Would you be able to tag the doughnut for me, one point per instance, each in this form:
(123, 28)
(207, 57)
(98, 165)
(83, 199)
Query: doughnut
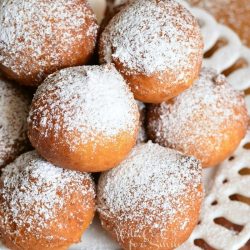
(207, 121)
(142, 136)
(14, 109)
(39, 37)
(43, 207)
(88, 117)
(235, 14)
(152, 199)
(156, 46)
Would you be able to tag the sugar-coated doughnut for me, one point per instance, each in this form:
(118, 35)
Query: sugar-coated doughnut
(207, 121)
(43, 207)
(84, 118)
(14, 108)
(235, 14)
(152, 199)
(157, 47)
(39, 37)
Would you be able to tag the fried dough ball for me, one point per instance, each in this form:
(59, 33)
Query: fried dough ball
(39, 37)
(157, 47)
(84, 118)
(152, 199)
(14, 108)
(233, 13)
(43, 207)
(207, 121)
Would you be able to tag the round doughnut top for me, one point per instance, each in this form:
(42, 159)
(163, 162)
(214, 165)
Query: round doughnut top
(147, 186)
(203, 111)
(14, 108)
(33, 192)
(43, 28)
(89, 99)
(152, 36)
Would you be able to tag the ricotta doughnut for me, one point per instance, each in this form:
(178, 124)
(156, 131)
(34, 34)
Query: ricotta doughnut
(39, 37)
(207, 121)
(157, 47)
(235, 14)
(152, 199)
(14, 109)
(84, 118)
(43, 207)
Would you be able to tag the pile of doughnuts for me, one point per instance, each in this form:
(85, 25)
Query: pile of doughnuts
(147, 115)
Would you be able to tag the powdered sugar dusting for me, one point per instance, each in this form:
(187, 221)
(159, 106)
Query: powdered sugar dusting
(146, 188)
(152, 36)
(42, 29)
(90, 99)
(198, 114)
(33, 194)
(14, 106)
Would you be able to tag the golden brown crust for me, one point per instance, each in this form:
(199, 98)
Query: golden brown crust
(95, 156)
(57, 35)
(148, 44)
(43, 206)
(92, 131)
(150, 239)
(152, 200)
(62, 239)
(158, 87)
(208, 120)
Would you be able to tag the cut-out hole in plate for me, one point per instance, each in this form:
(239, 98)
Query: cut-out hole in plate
(219, 44)
(245, 171)
(247, 246)
(203, 244)
(247, 91)
(239, 64)
(225, 181)
(227, 224)
(214, 203)
(247, 146)
(239, 197)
